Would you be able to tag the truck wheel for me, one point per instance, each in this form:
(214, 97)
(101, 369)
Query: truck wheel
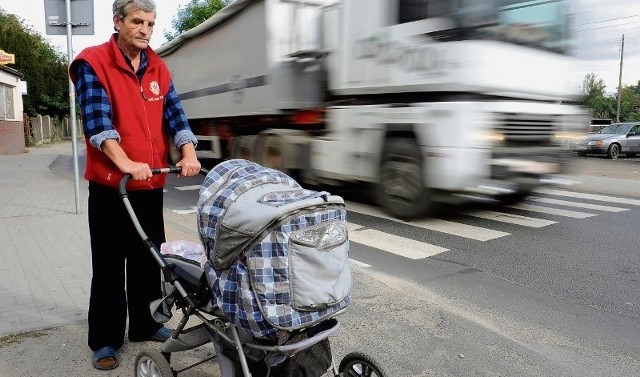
(152, 363)
(243, 147)
(272, 153)
(614, 151)
(514, 198)
(401, 190)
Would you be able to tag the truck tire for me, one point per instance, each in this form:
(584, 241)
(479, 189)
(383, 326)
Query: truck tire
(515, 197)
(272, 152)
(244, 147)
(401, 190)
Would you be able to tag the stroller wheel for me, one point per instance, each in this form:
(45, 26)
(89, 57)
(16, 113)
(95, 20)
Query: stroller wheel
(357, 364)
(152, 363)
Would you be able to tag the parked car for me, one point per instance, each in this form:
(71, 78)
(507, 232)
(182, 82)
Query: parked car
(613, 140)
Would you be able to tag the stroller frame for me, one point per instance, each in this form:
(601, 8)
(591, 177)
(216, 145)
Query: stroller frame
(214, 325)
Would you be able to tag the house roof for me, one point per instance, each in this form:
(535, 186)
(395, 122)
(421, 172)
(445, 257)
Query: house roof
(12, 71)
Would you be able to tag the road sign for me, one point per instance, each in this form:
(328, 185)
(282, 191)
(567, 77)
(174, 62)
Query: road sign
(7, 58)
(56, 17)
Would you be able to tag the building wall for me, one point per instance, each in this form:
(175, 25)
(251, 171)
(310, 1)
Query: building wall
(12, 130)
(11, 137)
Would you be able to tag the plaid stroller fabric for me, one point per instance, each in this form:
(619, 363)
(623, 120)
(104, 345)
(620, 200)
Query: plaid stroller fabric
(278, 254)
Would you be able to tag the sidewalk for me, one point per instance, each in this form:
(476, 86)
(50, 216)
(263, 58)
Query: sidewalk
(45, 267)
(46, 261)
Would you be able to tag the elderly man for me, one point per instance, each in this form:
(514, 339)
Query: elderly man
(130, 110)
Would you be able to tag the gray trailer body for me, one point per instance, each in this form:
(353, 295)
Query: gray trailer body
(276, 70)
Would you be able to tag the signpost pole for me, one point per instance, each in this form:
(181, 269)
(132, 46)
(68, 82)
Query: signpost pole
(56, 11)
(72, 106)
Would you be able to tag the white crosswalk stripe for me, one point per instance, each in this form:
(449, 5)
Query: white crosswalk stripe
(186, 211)
(405, 247)
(459, 229)
(188, 188)
(602, 198)
(511, 219)
(553, 211)
(566, 203)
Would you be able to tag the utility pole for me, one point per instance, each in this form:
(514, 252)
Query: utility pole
(620, 80)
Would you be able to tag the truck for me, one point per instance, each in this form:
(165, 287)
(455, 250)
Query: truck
(417, 102)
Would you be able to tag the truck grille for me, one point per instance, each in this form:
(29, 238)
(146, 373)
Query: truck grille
(526, 129)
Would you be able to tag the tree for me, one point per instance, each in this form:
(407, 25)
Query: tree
(636, 88)
(605, 106)
(44, 68)
(601, 105)
(193, 14)
(628, 104)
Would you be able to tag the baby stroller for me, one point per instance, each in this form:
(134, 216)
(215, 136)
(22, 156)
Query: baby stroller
(251, 285)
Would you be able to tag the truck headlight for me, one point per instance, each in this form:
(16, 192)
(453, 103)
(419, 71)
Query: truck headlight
(568, 137)
(494, 138)
(486, 137)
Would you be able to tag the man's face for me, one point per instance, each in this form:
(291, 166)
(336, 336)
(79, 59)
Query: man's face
(135, 29)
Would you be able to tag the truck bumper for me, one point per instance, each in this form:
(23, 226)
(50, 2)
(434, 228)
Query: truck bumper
(513, 172)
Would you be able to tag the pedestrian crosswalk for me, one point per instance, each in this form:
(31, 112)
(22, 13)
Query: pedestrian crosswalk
(572, 205)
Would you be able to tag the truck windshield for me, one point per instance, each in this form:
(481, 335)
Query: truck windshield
(538, 23)
(535, 23)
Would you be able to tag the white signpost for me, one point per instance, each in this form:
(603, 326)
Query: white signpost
(68, 17)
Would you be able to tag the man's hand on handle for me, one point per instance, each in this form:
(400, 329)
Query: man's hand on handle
(189, 162)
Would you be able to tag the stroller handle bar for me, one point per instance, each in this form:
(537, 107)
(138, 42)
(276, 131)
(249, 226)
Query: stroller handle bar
(122, 187)
(164, 266)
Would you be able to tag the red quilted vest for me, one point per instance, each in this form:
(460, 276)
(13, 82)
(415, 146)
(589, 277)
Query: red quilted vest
(137, 113)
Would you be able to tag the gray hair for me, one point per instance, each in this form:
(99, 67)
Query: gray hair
(122, 7)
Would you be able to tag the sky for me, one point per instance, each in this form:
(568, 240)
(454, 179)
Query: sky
(598, 25)
(32, 12)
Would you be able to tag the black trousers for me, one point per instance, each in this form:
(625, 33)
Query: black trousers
(126, 277)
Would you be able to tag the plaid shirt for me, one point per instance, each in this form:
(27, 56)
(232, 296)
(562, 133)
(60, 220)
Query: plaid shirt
(97, 113)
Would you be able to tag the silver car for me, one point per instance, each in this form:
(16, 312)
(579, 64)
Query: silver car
(613, 140)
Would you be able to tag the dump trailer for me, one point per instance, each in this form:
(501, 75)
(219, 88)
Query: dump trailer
(417, 101)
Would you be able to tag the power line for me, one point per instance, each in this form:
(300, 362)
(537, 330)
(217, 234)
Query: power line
(610, 26)
(611, 19)
(620, 31)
